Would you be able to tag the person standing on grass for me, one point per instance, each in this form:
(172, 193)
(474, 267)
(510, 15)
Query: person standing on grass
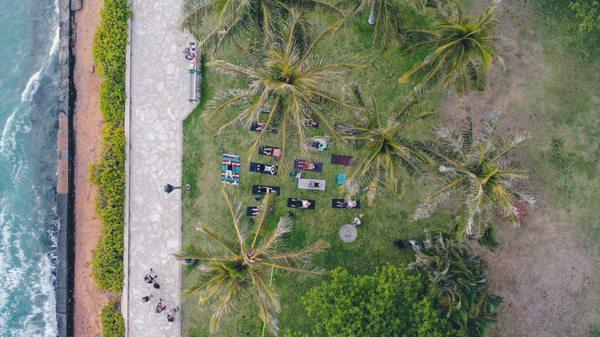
(357, 220)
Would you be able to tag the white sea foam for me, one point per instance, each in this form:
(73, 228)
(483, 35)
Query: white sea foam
(8, 136)
(33, 83)
(42, 293)
(12, 266)
(26, 274)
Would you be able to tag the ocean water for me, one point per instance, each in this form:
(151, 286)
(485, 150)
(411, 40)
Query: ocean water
(28, 127)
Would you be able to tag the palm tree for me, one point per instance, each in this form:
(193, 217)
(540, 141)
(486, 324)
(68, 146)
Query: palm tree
(288, 83)
(387, 153)
(461, 280)
(472, 167)
(231, 18)
(233, 266)
(462, 51)
(384, 18)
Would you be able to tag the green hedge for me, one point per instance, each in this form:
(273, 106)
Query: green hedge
(113, 324)
(108, 173)
(110, 45)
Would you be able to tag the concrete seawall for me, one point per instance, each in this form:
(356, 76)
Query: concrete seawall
(64, 188)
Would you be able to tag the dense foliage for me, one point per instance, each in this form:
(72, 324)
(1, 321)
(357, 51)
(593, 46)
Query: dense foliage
(460, 277)
(113, 324)
(588, 12)
(391, 302)
(109, 172)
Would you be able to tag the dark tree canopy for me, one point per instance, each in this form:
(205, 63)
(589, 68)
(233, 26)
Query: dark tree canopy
(391, 302)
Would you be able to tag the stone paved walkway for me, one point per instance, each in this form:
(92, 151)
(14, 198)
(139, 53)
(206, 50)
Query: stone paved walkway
(157, 86)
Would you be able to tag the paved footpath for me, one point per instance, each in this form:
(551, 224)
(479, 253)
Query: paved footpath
(157, 87)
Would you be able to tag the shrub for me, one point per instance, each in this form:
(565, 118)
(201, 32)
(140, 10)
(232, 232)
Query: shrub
(108, 173)
(113, 324)
(110, 44)
(588, 13)
(392, 302)
(460, 279)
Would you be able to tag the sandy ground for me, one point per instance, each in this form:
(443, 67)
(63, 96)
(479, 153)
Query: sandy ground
(548, 281)
(89, 300)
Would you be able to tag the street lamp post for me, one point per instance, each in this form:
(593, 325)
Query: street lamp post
(170, 188)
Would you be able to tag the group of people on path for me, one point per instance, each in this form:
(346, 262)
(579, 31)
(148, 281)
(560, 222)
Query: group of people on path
(150, 278)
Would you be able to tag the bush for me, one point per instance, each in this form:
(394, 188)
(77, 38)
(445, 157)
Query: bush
(113, 324)
(392, 302)
(108, 173)
(110, 44)
(588, 13)
(460, 279)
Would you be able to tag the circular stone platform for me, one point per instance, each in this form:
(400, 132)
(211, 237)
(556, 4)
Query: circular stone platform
(348, 233)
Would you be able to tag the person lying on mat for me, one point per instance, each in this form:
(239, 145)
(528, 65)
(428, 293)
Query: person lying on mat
(346, 203)
(310, 122)
(304, 165)
(271, 169)
(319, 144)
(265, 190)
(229, 169)
(260, 126)
(267, 151)
(315, 184)
(300, 203)
(255, 211)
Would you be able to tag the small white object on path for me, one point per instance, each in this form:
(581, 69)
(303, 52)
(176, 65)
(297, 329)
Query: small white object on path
(157, 88)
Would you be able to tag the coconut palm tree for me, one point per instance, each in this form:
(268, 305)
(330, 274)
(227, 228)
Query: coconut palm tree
(231, 18)
(473, 168)
(461, 52)
(288, 84)
(383, 17)
(231, 267)
(461, 281)
(386, 152)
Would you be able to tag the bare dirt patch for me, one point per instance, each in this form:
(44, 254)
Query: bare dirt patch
(545, 278)
(89, 300)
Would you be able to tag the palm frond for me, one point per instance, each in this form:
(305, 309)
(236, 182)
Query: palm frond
(284, 226)
(265, 210)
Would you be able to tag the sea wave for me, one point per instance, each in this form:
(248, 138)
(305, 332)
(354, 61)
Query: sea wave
(33, 83)
(26, 273)
(8, 139)
(12, 125)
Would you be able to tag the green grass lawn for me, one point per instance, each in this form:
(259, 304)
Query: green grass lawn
(562, 158)
(385, 222)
